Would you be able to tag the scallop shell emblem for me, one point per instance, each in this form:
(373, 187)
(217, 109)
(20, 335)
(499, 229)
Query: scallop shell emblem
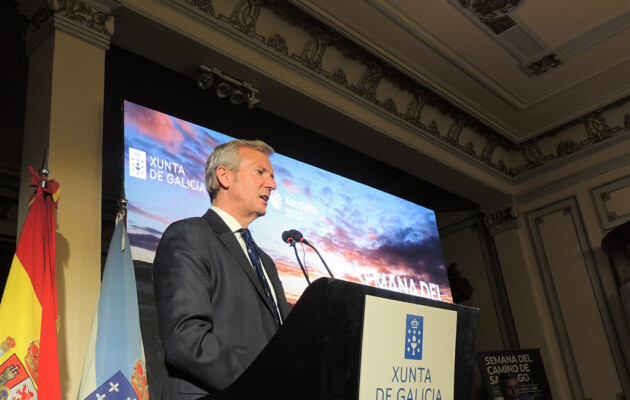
(275, 200)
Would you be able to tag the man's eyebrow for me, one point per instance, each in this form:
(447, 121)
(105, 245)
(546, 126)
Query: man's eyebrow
(263, 167)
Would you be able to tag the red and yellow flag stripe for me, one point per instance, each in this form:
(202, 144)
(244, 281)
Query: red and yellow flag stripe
(28, 310)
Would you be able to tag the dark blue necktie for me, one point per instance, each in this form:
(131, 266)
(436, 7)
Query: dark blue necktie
(256, 263)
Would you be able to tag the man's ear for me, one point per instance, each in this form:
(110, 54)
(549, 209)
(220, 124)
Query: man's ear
(224, 176)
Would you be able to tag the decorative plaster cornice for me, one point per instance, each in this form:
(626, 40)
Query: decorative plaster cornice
(494, 14)
(80, 19)
(204, 5)
(506, 216)
(543, 65)
(333, 57)
(501, 215)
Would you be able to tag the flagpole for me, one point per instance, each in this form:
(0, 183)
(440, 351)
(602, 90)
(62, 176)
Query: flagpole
(44, 172)
(115, 353)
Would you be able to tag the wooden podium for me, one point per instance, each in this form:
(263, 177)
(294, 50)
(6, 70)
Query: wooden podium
(316, 354)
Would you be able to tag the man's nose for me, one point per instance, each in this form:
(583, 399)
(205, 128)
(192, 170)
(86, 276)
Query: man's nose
(271, 183)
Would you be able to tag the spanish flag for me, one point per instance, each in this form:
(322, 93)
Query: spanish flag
(29, 363)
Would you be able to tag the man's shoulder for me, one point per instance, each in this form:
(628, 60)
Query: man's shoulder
(190, 221)
(187, 224)
(193, 232)
(209, 220)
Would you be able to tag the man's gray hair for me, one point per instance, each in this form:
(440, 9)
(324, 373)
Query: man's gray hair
(227, 155)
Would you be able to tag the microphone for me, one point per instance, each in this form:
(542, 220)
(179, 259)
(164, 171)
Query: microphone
(291, 237)
(298, 237)
(288, 238)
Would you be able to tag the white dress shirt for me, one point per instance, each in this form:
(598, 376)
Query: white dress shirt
(235, 227)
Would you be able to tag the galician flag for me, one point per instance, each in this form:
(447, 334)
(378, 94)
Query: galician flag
(114, 366)
(29, 363)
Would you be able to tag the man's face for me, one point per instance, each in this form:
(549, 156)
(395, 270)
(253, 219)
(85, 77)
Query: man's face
(509, 389)
(251, 186)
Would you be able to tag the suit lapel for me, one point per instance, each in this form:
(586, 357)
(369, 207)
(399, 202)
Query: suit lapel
(233, 246)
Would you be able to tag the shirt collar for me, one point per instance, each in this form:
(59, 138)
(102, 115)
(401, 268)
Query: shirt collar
(229, 220)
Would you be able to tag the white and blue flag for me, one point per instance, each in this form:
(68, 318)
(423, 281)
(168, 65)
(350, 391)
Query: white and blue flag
(115, 388)
(414, 337)
(115, 343)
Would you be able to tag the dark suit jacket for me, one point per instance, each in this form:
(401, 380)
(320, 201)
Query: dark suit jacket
(212, 314)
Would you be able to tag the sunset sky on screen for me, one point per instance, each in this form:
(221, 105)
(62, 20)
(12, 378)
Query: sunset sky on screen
(363, 234)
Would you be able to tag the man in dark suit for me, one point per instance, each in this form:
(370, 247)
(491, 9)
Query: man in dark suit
(509, 387)
(218, 296)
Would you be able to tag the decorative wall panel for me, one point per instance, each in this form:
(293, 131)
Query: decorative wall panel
(612, 202)
(575, 296)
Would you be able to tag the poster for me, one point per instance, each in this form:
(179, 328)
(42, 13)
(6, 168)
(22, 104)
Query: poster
(525, 365)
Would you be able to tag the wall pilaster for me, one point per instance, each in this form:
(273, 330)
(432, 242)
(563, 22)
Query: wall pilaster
(524, 292)
(66, 42)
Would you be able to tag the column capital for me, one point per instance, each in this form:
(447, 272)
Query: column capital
(87, 20)
(501, 216)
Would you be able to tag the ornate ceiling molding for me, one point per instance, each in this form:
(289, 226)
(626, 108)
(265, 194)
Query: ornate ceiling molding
(85, 20)
(330, 56)
(501, 216)
(543, 65)
(493, 13)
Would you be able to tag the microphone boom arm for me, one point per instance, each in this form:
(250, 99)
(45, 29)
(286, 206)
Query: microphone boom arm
(300, 262)
(306, 242)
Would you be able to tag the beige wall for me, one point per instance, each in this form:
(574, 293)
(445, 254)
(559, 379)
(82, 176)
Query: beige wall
(565, 233)
(462, 244)
(64, 114)
(559, 283)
